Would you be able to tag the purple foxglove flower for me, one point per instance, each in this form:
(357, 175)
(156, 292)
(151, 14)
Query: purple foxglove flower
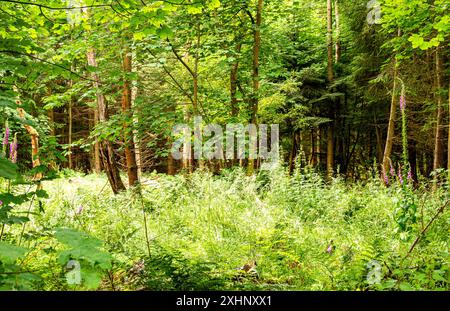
(410, 177)
(14, 153)
(402, 102)
(392, 171)
(386, 179)
(1, 202)
(6, 137)
(330, 249)
(400, 177)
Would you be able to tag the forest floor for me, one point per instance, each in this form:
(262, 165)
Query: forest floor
(193, 233)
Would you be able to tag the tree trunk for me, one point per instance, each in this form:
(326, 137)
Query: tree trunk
(255, 74)
(391, 126)
(330, 151)
(448, 144)
(293, 153)
(233, 83)
(137, 142)
(69, 136)
(105, 147)
(437, 162)
(329, 41)
(97, 160)
(34, 135)
(338, 31)
(317, 150)
(130, 154)
(330, 132)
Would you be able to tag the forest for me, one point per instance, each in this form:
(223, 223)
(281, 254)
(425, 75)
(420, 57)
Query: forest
(117, 172)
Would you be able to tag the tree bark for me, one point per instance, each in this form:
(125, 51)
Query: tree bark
(330, 151)
(34, 135)
(448, 144)
(69, 136)
(338, 31)
(97, 160)
(330, 132)
(130, 153)
(391, 126)
(438, 154)
(105, 147)
(255, 74)
(233, 83)
(329, 41)
(137, 142)
(293, 153)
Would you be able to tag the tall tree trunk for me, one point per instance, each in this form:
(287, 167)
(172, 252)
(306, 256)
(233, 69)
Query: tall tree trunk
(338, 31)
(293, 153)
(329, 41)
(34, 135)
(137, 142)
(97, 160)
(255, 68)
(448, 143)
(437, 162)
(391, 126)
(130, 154)
(105, 147)
(330, 151)
(379, 142)
(330, 132)
(233, 82)
(317, 145)
(69, 136)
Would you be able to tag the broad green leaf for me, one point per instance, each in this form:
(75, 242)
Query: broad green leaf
(8, 169)
(10, 253)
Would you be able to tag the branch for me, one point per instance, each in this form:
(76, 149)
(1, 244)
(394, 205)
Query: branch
(57, 8)
(422, 233)
(173, 78)
(181, 59)
(46, 61)
(250, 15)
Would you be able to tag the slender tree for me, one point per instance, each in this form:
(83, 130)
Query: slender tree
(330, 128)
(130, 154)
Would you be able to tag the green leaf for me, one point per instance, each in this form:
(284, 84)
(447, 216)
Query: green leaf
(406, 287)
(8, 169)
(138, 36)
(214, 4)
(10, 253)
(76, 239)
(165, 32)
(91, 278)
(437, 276)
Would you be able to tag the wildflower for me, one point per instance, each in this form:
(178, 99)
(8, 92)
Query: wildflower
(1, 202)
(402, 102)
(13, 150)
(385, 178)
(410, 175)
(400, 177)
(392, 171)
(79, 210)
(330, 247)
(6, 137)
